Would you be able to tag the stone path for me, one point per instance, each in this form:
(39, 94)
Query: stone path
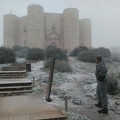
(28, 108)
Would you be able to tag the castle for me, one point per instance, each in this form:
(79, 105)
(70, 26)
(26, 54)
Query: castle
(40, 29)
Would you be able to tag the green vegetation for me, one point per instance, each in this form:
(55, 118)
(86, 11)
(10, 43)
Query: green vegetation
(112, 83)
(89, 55)
(104, 52)
(77, 51)
(115, 54)
(20, 52)
(35, 54)
(52, 51)
(7, 55)
(61, 64)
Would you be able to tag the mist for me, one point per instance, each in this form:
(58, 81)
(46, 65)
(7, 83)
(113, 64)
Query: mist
(104, 14)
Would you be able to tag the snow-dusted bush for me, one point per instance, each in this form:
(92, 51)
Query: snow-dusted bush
(104, 52)
(112, 83)
(78, 50)
(52, 51)
(116, 57)
(87, 56)
(7, 55)
(20, 52)
(35, 54)
(115, 54)
(60, 65)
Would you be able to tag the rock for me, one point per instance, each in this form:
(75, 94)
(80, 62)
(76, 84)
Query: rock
(77, 101)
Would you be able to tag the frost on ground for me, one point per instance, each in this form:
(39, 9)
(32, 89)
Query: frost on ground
(79, 86)
(90, 90)
(75, 116)
(4, 65)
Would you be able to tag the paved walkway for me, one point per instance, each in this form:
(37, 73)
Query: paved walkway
(27, 108)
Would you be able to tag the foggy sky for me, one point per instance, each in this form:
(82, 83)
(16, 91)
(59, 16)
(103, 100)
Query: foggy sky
(104, 14)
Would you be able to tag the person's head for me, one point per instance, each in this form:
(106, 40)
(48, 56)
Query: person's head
(98, 59)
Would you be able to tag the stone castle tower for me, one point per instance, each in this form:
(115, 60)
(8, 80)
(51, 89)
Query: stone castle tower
(41, 29)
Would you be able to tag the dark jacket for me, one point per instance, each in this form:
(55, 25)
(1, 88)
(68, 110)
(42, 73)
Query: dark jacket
(101, 71)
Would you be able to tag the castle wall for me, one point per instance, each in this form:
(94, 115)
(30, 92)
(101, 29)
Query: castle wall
(53, 19)
(10, 30)
(53, 29)
(35, 26)
(71, 28)
(23, 33)
(39, 29)
(85, 33)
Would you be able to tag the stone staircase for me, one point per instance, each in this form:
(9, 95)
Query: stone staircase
(14, 82)
(12, 74)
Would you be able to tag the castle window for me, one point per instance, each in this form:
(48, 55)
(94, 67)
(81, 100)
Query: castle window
(25, 42)
(24, 30)
(53, 28)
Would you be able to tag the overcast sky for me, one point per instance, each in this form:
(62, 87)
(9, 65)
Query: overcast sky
(104, 14)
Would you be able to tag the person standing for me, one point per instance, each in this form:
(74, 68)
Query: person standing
(100, 73)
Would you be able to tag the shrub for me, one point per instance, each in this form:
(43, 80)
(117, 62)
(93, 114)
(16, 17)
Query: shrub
(47, 63)
(52, 51)
(60, 66)
(104, 52)
(116, 57)
(20, 52)
(7, 55)
(35, 54)
(112, 84)
(87, 56)
(77, 51)
(115, 52)
(17, 48)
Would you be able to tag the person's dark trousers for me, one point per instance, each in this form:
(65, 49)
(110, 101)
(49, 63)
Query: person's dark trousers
(102, 95)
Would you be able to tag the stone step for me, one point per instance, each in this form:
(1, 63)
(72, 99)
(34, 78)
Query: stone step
(19, 80)
(13, 88)
(12, 74)
(5, 72)
(17, 91)
(13, 68)
(15, 85)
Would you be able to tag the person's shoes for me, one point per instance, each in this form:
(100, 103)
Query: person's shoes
(99, 105)
(104, 111)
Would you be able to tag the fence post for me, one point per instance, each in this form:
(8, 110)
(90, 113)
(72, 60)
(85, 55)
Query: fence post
(48, 99)
(66, 103)
(33, 81)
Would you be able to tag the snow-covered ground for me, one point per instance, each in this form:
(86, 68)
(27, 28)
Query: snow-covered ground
(80, 88)
(78, 85)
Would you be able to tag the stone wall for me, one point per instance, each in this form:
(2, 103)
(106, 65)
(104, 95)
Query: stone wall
(40, 29)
